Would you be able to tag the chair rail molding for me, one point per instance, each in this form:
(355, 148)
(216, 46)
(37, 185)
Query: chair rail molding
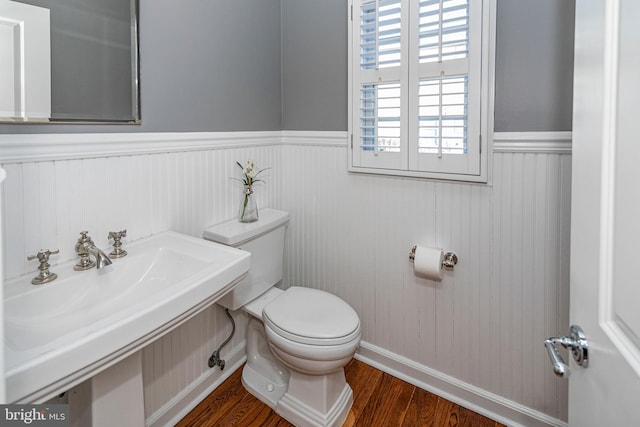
(532, 142)
(46, 147)
(315, 138)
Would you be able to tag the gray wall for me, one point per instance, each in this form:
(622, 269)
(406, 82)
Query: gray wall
(221, 65)
(314, 65)
(209, 65)
(534, 65)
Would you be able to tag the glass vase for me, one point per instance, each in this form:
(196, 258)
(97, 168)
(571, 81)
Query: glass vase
(248, 207)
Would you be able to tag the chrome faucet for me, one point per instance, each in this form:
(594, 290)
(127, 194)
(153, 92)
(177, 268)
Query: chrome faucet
(84, 248)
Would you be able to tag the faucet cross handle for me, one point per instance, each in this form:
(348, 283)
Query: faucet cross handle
(42, 255)
(117, 235)
(84, 237)
(117, 252)
(45, 275)
(84, 242)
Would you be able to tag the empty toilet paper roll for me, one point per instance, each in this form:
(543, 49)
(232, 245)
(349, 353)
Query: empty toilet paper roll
(427, 263)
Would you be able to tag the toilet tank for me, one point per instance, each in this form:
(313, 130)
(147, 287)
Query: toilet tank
(264, 238)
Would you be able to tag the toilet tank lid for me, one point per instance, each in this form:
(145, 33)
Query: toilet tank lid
(234, 232)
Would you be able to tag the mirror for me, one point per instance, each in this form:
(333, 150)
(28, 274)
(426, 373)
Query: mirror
(91, 75)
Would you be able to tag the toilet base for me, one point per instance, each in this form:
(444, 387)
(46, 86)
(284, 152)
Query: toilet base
(303, 399)
(327, 400)
(267, 391)
(263, 375)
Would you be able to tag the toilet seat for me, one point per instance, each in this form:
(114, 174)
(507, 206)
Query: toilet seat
(312, 317)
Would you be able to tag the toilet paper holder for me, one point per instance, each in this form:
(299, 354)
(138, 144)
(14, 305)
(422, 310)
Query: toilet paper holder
(449, 261)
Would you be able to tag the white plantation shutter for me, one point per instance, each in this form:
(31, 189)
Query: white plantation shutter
(382, 44)
(416, 70)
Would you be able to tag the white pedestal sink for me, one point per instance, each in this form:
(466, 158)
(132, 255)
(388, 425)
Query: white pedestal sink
(62, 333)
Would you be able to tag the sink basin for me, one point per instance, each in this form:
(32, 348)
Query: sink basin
(63, 332)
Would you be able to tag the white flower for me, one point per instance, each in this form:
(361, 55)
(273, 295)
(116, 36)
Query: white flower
(250, 172)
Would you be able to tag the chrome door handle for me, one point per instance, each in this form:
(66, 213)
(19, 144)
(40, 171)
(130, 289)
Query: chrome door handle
(576, 342)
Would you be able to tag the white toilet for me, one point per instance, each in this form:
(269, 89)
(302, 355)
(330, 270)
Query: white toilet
(298, 340)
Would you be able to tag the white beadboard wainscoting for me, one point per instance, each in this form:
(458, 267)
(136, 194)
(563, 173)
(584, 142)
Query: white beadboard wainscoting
(485, 323)
(476, 337)
(58, 185)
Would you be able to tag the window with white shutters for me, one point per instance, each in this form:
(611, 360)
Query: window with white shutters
(418, 87)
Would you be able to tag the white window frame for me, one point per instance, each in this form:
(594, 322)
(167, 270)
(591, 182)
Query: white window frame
(480, 122)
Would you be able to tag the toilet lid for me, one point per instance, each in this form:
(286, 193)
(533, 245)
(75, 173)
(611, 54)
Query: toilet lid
(312, 316)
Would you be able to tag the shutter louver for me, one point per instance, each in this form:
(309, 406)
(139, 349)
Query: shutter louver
(443, 30)
(443, 105)
(380, 34)
(380, 117)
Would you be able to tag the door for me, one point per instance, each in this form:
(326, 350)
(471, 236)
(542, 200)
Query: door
(25, 69)
(3, 174)
(605, 235)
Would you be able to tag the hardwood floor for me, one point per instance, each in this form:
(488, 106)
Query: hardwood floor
(380, 400)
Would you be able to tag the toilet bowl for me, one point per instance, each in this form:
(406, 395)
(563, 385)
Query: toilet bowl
(311, 331)
(299, 339)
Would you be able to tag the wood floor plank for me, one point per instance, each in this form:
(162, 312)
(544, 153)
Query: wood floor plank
(380, 400)
(447, 414)
(256, 416)
(217, 404)
(472, 419)
(363, 380)
(382, 408)
(421, 410)
(249, 412)
(399, 409)
(276, 420)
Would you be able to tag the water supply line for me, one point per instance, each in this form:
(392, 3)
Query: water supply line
(214, 359)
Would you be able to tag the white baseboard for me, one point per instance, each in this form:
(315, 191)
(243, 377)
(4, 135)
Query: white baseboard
(471, 397)
(178, 407)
